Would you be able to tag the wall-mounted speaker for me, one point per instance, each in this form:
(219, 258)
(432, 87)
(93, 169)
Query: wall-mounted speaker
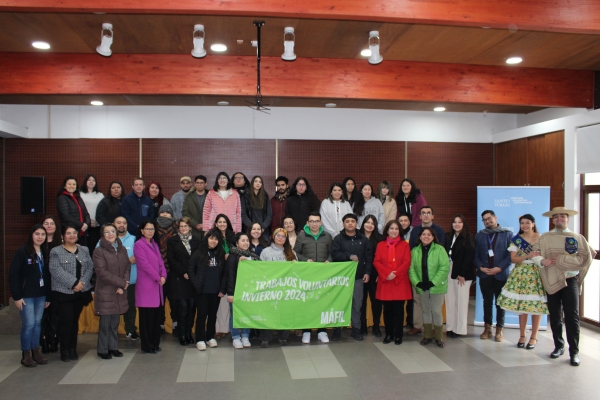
(33, 195)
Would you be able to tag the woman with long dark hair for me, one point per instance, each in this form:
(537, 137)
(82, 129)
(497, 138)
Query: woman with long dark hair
(460, 247)
(222, 199)
(112, 267)
(524, 291)
(333, 208)
(350, 190)
(409, 201)
(151, 276)
(301, 202)
(429, 267)
(385, 194)
(257, 241)
(155, 192)
(290, 227)
(49, 334)
(392, 261)
(72, 210)
(91, 196)
(224, 228)
(109, 207)
(367, 204)
(71, 268)
(180, 248)
(256, 206)
(240, 252)
(207, 273)
(29, 281)
(369, 229)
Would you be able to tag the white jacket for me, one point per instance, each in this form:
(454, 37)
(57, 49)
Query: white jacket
(332, 218)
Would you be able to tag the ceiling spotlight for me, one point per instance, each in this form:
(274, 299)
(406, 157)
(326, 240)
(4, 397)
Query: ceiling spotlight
(439, 109)
(375, 57)
(330, 105)
(288, 44)
(41, 45)
(97, 103)
(366, 53)
(218, 47)
(223, 103)
(514, 60)
(199, 50)
(107, 39)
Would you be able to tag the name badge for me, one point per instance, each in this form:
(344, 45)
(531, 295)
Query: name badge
(490, 253)
(571, 246)
(41, 282)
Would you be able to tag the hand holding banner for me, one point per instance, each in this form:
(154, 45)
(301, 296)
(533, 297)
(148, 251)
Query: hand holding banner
(293, 295)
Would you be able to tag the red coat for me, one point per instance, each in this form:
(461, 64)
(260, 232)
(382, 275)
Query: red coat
(398, 288)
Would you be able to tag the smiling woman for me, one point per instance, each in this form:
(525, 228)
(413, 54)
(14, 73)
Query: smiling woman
(72, 210)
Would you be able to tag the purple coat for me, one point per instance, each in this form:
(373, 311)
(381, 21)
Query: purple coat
(150, 268)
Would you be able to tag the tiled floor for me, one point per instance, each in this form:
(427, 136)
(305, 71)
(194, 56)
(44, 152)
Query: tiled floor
(467, 368)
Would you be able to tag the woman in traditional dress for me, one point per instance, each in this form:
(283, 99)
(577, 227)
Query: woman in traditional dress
(524, 292)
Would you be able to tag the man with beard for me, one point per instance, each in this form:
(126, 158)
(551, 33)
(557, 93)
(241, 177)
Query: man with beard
(278, 202)
(193, 205)
(185, 183)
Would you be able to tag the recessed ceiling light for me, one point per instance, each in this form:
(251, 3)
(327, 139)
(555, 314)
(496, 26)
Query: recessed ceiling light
(439, 109)
(330, 105)
(514, 60)
(41, 45)
(223, 103)
(366, 53)
(486, 27)
(97, 103)
(218, 47)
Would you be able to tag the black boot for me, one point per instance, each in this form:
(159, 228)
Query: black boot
(64, 355)
(54, 342)
(183, 340)
(376, 331)
(73, 354)
(388, 339)
(364, 330)
(44, 342)
(356, 334)
(337, 334)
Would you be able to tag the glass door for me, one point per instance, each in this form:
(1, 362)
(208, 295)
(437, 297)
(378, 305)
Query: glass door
(590, 221)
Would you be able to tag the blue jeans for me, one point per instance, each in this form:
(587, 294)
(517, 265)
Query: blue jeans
(31, 314)
(235, 334)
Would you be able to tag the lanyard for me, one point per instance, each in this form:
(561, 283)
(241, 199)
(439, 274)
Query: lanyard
(40, 263)
(491, 240)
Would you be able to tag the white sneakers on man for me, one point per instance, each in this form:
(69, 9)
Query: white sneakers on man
(306, 338)
(323, 337)
(237, 344)
(212, 343)
(201, 346)
(246, 342)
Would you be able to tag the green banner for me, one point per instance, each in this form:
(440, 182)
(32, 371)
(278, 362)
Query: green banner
(293, 295)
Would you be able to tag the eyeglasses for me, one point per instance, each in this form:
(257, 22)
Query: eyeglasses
(427, 213)
(488, 219)
(110, 232)
(280, 236)
(222, 178)
(301, 184)
(149, 229)
(314, 221)
(238, 178)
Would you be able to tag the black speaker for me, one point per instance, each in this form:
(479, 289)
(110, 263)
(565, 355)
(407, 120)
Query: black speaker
(33, 195)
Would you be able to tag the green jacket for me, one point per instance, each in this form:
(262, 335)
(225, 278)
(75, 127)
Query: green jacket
(193, 211)
(438, 266)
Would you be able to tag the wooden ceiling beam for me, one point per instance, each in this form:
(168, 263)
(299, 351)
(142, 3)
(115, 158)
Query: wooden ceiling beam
(173, 74)
(581, 16)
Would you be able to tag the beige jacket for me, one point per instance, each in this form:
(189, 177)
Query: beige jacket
(554, 244)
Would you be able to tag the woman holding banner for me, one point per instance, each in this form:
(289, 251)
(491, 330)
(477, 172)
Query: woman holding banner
(392, 261)
(240, 252)
(280, 250)
(524, 292)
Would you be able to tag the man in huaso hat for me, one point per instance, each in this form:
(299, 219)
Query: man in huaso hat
(564, 261)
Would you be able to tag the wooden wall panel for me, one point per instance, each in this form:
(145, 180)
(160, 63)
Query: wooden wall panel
(509, 172)
(168, 160)
(326, 161)
(448, 175)
(55, 159)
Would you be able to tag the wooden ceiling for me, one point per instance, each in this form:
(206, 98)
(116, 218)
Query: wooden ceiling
(455, 38)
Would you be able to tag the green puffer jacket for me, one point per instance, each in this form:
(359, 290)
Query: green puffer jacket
(438, 267)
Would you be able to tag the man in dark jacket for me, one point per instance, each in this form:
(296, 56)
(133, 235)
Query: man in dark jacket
(278, 202)
(313, 244)
(136, 206)
(351, 245)
(301, 202)
(193, 205)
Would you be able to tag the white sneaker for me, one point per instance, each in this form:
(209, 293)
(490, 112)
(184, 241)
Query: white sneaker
(323, 337)
(237, 344)
(212, 343)
(246, 342)
(306, 338)
(201, 346)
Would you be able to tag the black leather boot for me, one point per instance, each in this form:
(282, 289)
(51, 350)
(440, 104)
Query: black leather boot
(376, 331)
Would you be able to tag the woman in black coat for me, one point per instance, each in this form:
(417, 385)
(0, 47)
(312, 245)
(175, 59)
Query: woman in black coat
(109, 207)
(72, 210)
(180, 247)
(460, 247)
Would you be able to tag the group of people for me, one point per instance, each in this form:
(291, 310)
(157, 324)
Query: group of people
(139, 249)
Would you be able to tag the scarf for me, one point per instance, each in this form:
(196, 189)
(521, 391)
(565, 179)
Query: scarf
(164, 222)
(244, 253)
(74, 198)
(185, 239)
(392, 243)
(499, 229)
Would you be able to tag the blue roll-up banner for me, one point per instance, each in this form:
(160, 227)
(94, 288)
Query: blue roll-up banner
(509, 203)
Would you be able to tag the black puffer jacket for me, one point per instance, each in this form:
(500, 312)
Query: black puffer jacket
(300, 206)
(69, 213)
(343, 246)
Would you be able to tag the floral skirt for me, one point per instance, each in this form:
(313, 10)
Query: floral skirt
(524, 291)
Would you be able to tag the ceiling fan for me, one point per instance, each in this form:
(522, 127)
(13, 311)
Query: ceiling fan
(258, 97)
